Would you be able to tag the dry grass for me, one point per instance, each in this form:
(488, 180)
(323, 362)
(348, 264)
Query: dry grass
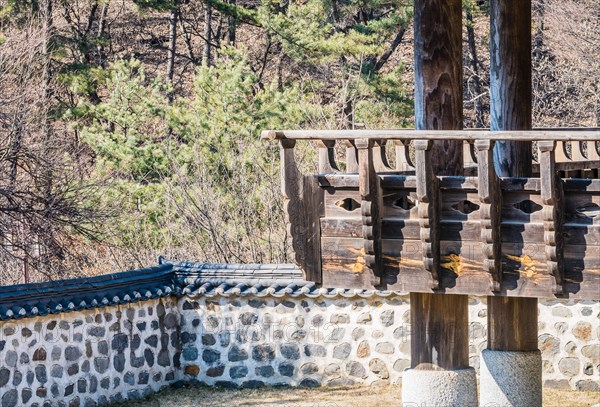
(373, 396)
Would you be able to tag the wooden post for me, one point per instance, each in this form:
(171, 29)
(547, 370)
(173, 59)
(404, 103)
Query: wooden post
(510, 83)
(428, 209)
(370, 206)
(440, 373)
(303, 205)
(490, 197)
(510, 89)
(512, 322)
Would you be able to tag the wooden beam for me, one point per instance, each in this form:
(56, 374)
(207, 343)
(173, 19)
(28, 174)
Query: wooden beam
(556, 134)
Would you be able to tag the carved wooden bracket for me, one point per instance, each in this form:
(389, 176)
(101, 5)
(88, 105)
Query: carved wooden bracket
(552, 212)
(490, 197)
(371, 206)
(428, 209)
(327, 163)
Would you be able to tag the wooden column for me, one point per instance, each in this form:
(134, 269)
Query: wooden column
(438, 78)
(512, 322)
(439, 322)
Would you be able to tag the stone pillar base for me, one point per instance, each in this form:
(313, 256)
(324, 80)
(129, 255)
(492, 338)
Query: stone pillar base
(511, 379)
(437, 388)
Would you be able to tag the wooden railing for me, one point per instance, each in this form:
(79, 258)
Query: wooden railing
(406, 228)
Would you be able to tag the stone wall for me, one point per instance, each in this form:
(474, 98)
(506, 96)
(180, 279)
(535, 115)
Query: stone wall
(116, 352)
(254, 341)
(91, 357)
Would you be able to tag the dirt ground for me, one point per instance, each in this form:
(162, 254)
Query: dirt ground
(374, 396)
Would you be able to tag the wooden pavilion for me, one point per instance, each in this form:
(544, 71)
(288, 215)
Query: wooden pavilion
(511, 213)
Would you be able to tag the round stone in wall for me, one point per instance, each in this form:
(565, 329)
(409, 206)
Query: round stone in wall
(364, 318)
(309, 368)
(290, 351)
(561, 327)
(358, 333)
(592, 352)
(401, 364)
(356, 369)
(582, 330)
(332, 369)
(569, 366)
(342, 351)
(210, 355)
(10, 398)
(548, 345)
(561, 312)
(315, 350)
(387, 318)
(237, 372)
(364, 349)
(386, 348)
(570, 347)
(378, 367)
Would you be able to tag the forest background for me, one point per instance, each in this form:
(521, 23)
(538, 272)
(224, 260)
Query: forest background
(131, 128)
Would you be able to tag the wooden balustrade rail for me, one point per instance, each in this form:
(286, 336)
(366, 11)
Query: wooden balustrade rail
(405, 228)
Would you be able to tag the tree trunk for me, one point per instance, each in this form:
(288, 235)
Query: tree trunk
(101, 32)
(474, 62)
(207, 55)
(231, 26)
(171, 51)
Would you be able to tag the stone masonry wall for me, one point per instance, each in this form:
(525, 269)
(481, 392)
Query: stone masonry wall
(99, 356)
(89, 357)
(252, 342)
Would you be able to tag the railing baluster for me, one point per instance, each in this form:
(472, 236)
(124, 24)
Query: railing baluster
(351, 157)
(490, 197)
(428, 209)
(327, 163)
(469, 153)
(403, 161)
(552, 198)
(380, 160)
(371, 205)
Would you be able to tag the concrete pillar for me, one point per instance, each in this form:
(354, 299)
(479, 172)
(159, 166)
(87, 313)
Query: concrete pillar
(433, 388)
(511, 379)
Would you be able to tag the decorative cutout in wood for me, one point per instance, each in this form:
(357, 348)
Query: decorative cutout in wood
(348, 204)
(528, 206)
(404, 202)
(465, 207)
(589, 210)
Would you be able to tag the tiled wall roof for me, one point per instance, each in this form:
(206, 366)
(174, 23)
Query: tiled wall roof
(169, 277)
